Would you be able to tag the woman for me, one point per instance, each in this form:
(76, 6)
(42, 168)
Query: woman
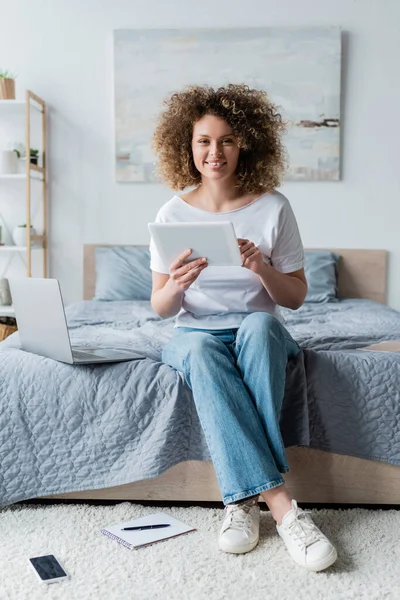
(229, 338)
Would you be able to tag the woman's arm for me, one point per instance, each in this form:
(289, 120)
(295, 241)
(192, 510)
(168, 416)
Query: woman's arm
(169, 289)
(166, 302)
(286, 289)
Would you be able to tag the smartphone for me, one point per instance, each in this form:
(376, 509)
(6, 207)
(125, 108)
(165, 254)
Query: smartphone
(48, 569)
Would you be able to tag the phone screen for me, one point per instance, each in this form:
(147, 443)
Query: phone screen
(48, 567)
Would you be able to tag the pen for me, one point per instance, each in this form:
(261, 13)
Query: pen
(145, 527)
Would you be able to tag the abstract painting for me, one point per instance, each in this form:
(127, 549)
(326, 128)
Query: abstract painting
(299, 67)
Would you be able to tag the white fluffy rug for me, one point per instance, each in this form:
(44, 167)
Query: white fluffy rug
(191, 567)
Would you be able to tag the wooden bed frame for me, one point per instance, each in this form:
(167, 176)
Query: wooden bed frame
(315, 476)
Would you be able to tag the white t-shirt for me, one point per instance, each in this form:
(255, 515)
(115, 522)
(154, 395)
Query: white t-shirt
(221, 297)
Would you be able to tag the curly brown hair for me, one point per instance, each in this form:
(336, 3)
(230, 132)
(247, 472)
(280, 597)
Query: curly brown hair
(254, 119)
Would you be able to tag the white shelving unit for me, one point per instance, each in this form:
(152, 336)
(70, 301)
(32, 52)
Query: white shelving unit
(22, 176)
(32, 173)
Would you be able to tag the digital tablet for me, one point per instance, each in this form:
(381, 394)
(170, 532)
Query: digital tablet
(216, 241)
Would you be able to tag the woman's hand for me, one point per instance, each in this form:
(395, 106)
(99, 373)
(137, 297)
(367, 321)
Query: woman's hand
(182, 275)
(251, 256)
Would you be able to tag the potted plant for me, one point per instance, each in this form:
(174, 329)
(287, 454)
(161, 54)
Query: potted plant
(9, 162)
(34, 155)
(7, 85)
(19, 234)
(9, 158)
(18, 148)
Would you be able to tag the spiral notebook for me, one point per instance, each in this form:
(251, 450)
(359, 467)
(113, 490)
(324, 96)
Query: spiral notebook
(134, 540)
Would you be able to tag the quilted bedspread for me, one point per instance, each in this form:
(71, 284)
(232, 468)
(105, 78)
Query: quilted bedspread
(66, 428)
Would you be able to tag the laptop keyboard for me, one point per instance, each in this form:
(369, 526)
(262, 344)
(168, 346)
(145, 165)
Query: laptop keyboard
(93, 353)
(105, 353)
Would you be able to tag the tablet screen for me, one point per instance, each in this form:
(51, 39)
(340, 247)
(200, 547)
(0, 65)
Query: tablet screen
(217, 242)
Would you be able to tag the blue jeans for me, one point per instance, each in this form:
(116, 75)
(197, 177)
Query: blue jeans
(237, 377)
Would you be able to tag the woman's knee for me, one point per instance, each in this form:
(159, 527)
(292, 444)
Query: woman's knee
(197, 343)
(193, 344)
(261, 324)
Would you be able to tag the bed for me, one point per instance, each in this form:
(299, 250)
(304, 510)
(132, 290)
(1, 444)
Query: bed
(130, 431)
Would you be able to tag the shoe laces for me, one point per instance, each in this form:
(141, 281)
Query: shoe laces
(238, 517)
(303, 530)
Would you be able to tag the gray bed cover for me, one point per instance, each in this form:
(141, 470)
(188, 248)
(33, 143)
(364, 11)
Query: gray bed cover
(66, 428)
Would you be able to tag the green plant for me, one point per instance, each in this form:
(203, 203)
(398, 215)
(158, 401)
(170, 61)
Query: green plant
(17, 147)
(20, 151)
(4, 74)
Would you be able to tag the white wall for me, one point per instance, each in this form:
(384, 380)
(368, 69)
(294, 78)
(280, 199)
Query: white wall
(64, 53)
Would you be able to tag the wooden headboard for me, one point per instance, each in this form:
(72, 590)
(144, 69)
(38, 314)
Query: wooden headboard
(362, 273)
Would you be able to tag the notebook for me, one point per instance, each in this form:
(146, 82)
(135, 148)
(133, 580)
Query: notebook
(140, 539)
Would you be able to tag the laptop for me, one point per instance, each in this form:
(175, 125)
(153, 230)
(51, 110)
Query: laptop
(42, 325)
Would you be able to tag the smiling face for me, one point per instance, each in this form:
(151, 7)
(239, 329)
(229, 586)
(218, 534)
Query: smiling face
(215, 148)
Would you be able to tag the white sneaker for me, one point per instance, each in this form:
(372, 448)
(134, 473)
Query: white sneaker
(307, 545)
(241, 526)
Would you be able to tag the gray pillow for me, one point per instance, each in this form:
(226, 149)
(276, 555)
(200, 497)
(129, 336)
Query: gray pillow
(123, 273)
(321, 273)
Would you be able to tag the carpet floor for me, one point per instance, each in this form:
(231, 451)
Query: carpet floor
(191, 567)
